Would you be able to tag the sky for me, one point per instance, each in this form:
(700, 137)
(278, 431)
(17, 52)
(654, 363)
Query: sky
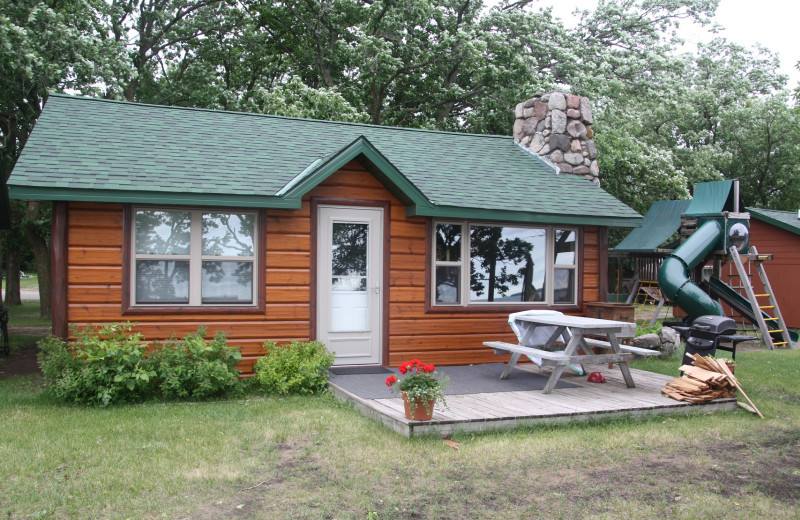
(772, 23)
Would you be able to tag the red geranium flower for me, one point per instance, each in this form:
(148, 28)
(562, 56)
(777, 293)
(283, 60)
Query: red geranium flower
(392, 379)
(402, 368)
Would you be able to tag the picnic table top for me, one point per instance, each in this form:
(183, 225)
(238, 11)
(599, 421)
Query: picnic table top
(581, 323)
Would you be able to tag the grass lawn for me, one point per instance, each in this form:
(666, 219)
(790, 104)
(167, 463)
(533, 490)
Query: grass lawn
(30, 282)
(313, 458)
(26, 315)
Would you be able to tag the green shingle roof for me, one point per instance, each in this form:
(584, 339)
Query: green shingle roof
(786, 220)
(100, 150)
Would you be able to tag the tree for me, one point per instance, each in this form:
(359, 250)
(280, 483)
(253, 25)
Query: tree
(46, 45)
(763, 137)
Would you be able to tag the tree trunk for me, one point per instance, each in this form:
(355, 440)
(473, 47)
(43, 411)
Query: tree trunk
(12, 278)
(41, 254)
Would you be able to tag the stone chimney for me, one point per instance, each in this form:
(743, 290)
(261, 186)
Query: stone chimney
(558, 127)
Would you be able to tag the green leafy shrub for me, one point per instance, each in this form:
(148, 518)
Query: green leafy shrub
(102, 365)
(111, 363)
(190, 367)
(296, 368)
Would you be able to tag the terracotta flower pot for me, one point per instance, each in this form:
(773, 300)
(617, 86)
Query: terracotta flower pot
(421, 413)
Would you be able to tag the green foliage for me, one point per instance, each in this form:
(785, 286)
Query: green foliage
(648, 329)
(193, 368)
(101, 366)
(296, 368)
(112, 364)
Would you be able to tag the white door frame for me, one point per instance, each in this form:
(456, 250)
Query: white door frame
(349, 322)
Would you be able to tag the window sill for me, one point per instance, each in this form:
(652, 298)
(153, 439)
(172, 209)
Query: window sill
(502, 308)
(139, 310)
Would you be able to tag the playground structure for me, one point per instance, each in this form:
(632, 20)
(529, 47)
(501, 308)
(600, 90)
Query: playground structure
(704, 234)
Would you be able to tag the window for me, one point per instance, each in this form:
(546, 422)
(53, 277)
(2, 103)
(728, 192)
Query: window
(489, 264)
(193, 257)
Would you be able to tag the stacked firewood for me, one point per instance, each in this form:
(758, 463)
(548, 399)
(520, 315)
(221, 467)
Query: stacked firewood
(707, 379)
(703, 380)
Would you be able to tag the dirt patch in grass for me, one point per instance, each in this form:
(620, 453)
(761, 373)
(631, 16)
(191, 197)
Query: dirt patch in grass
(22, 361)
(651, 482)
(730, 470)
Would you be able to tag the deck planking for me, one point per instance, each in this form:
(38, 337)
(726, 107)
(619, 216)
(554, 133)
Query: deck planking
(507, 410)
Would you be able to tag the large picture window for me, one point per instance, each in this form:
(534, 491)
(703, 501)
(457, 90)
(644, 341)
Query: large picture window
(490, 264)
(193, 257)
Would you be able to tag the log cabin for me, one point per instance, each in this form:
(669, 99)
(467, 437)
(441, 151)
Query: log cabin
(384, 243)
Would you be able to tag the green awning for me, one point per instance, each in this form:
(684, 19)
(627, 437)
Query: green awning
(662, 220)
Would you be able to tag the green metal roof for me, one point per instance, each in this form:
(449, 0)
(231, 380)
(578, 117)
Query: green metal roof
(786, 220)
(98, 150)
(662, 220)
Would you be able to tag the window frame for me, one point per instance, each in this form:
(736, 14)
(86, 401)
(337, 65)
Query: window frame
(465, 263)
(129, 257)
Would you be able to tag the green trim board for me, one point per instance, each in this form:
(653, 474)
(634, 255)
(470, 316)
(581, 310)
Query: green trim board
(786, 220)
(149, 197)
(100, 150)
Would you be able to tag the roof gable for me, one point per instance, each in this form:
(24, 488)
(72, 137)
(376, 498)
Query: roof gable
(362, 150)
(100, 150)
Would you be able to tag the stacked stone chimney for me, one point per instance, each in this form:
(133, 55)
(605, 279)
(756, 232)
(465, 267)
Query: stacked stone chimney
(558, 127)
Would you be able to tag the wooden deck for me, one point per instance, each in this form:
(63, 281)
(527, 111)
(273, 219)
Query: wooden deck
(506, 410)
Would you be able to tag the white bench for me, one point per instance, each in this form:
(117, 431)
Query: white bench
(500, 347)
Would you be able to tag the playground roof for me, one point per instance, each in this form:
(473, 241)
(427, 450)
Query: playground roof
(662, 220)
(712, 198)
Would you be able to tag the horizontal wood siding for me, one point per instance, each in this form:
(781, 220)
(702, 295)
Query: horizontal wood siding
(781, 270)
(94, 291)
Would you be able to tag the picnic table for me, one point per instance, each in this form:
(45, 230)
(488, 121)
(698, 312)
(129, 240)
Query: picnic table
(540, 333)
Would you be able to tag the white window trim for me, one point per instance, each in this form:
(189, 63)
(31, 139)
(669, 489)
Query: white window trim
(550, 268)
(195, 258)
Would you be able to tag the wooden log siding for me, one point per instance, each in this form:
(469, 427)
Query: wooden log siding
(94, 288)
(781, 270)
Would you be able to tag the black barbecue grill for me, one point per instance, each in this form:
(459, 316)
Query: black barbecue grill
(709, 333)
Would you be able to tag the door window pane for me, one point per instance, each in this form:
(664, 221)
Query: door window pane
(448, 243)
(227, 234)
(349, 249)
(349, 304)
(227, 282)
(507, 264)
(564, 247)
(448, 284)
(163, 232)
(162, 281)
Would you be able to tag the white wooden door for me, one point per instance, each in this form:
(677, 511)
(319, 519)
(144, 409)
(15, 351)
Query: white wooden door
(349, 279)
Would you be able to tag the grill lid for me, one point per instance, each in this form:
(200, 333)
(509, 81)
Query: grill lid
(706, 326)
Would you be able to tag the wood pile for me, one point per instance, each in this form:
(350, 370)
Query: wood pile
(707, 379)
(703, 380)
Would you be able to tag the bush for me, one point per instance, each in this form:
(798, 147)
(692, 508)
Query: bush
(193, 368)
(113, 364)
(100, 366)
(296, 368)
